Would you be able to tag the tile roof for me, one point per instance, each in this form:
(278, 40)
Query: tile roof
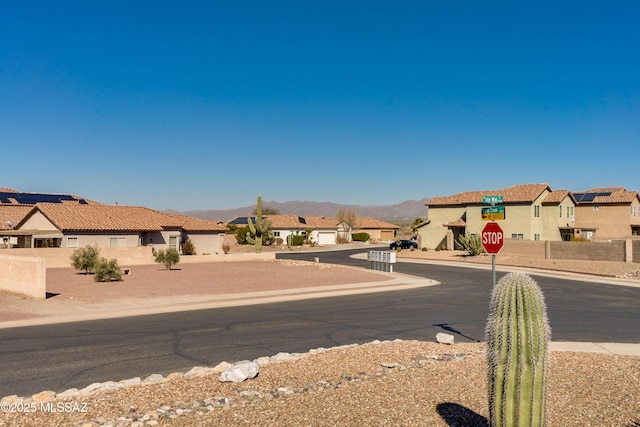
(457, 223)
(522, 193)
(190, 223)
(75, 217)
(556, 197)
(13, 214)
(367, 222)
(606, 195)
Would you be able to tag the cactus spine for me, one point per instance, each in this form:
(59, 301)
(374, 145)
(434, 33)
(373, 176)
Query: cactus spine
(518, 335)
(259, 229)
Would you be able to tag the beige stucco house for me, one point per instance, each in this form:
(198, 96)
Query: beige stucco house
(72, 225)
(323, 230)
(380, 231)
(607, 213)
(531, 212)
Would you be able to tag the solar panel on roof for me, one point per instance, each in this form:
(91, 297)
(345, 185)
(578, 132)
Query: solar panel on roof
(33, 198)
(301, 220)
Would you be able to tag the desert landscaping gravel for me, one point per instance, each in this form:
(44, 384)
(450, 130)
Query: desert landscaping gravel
(398, 383)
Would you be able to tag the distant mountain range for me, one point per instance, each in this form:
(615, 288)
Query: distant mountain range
(408, 209)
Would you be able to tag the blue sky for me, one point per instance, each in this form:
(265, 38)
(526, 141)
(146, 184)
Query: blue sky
(206, 104)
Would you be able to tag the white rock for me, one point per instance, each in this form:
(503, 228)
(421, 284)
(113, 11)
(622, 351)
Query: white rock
(72, 392)
(240, 372)
(443, 338)
(154, 378)
(131, 381)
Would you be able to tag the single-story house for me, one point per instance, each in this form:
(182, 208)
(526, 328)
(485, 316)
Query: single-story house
(323, 230)
(74, 225)
(380, 231)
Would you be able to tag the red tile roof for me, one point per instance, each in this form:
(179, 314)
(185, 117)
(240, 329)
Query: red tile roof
(522, 193)
(366, 222)
(13, 214)
(556, 197)
(619, 195)
(87, 218)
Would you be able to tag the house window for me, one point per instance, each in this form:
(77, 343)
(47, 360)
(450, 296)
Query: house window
(173, 242)
(276, 234)
(536, 211)
(572, 215)
(72, 242)
(117, 242)
(517, 236)
(596, 207)
(560, 211)
(536, 237)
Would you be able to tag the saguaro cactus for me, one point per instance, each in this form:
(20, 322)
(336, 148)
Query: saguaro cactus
(259, 229)
(518, 335)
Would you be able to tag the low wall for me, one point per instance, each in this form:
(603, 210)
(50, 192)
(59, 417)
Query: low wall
(590, 251)
(127, 257)
(24, 275)
(616, 250)
(525, 248)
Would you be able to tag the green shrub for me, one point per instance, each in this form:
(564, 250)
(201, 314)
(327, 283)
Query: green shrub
(471, 243)
(360, 237)
(425, 249)
(85, 258)
(295, 240)
(169, 258)
(188, 248)
(107, 271)
(579, 239)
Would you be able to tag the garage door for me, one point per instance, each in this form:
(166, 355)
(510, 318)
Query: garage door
(326, 238)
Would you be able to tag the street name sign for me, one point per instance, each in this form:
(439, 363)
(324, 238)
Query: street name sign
(493, 213)
(491, 200)
(492, 238)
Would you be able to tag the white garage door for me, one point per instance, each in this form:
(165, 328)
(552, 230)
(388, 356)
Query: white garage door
(326, 238)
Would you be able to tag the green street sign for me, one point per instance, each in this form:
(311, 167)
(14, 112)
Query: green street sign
(493, 213)
(491, 200)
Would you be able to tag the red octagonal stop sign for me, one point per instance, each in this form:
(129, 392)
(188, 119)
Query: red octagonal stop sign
(492, 238)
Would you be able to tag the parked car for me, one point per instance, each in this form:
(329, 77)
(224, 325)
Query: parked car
(403, 244)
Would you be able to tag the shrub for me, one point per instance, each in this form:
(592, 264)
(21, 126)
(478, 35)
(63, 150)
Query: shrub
(279, 241)
(425, 249)
(85, 258)
(360, 237)
(107, 271)
(188, 248)
(169, 258)
(241, 235)
(579, 239)
(471, 243)
(226, 248)
(295, 240)
(341, 240)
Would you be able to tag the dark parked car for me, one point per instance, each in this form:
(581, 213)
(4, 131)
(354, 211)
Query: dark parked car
(403, 244)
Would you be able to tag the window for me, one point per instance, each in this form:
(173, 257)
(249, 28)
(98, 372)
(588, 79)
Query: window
(560, 211)
(72, 242)
(536, 211)
(596, 207)
(536, 237)
(117, 242)
(568, 216)
(276, 234)
(517, 236)
(572, 214)
(173, 242)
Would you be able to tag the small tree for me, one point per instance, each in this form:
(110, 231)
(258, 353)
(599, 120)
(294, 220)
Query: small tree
(85, 258)
(348, 217)
(188, 248)
(107, 271)
(471, 243)
(169, 257)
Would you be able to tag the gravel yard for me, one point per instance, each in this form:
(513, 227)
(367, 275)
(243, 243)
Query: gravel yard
(401, 383)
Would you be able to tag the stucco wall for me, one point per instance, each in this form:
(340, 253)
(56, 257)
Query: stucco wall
(526, 248)
(24, 275)
(635, 250)
(595, 251)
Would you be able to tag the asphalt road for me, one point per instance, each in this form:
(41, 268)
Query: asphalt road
(62, 356)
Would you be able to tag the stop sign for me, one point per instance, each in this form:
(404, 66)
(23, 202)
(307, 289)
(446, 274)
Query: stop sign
(492, 238)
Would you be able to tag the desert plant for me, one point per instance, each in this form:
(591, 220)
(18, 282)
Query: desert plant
(260, 229)
(471, 243)
(360, 237)
(188, 248)
(107, 271)
(169, 257)
(295, 240)
(226, 248)
(518, 335)
(85, 258)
